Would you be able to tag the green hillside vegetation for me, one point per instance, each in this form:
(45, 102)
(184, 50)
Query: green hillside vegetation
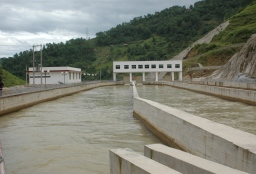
(242, 26)
(9, 79)
(227, 43)
(158, 36)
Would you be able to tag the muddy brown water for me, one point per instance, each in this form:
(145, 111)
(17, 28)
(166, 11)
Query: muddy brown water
(74, 134)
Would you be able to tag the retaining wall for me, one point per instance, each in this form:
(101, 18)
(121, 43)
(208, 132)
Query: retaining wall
(199, 136)
(16, 102)
(242, 95)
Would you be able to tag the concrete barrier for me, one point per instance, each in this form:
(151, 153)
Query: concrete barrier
(16, 102)
(229, 84)
(126, 161)
(184, 162)
(236, 94)
(199, 136)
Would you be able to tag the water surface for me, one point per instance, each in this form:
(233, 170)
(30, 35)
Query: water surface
(72, 134)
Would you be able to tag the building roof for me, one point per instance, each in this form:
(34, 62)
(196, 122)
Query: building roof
(57, 69)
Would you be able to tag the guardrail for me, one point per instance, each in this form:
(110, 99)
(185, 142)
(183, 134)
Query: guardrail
(203, 68)
(229, 84)
(21, 89)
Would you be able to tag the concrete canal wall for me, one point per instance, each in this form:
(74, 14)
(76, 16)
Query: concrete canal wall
(230, 93)
(198, 136)
(16, 102)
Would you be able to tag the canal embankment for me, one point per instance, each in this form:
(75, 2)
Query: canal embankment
(15, 102)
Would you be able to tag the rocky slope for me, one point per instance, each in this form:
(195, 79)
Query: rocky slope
(242, 66)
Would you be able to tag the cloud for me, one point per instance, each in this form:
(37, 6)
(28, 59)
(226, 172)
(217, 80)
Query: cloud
(44, 21)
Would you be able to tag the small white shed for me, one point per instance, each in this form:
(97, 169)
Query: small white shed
(54, 75)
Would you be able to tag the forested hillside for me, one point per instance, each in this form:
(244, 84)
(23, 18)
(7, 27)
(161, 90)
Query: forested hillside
(176, 24)
(151, 37)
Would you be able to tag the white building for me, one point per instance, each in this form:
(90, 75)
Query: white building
(54, 75)
(172, 66)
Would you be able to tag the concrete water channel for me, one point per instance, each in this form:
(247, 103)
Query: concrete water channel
(74, 134)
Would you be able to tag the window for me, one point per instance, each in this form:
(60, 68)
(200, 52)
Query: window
(161, 66)
(153, 66)
(146, 66)
(169, 65)
(177, 65)
(117, 66)
(140, 66)
(126, 66)
(133, 66)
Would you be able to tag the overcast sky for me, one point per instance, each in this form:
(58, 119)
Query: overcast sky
(27, 22)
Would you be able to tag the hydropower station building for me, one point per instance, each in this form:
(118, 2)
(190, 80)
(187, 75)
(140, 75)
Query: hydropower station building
(145, 67)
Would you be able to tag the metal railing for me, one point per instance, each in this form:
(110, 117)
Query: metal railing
(203, 68)
(15, 90)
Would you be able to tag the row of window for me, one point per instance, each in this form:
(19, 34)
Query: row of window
(153, 66)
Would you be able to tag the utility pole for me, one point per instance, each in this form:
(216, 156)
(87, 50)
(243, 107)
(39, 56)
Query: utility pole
(33, 64)
(41, 58)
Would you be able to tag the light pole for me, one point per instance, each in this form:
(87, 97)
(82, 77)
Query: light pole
(45, 72)
(64, 73)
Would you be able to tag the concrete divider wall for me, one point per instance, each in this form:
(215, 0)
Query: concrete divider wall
(199, 136)
(126, 161)
(16, 102)
(185, 163)
(246, 96)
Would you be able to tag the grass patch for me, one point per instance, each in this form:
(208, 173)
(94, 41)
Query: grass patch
(10, 80)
